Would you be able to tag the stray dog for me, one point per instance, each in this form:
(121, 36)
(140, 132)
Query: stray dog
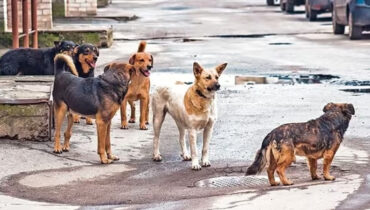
(193, 109)
(138, 88)
(85, 57)
(97, 97)
(315, 139)
(27, 61)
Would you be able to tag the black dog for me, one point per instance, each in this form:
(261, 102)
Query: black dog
(98, 97)
(26, 61)
(84, 58)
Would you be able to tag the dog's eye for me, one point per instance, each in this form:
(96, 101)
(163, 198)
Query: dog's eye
(141, 60)
(216, 77)
(208, 77)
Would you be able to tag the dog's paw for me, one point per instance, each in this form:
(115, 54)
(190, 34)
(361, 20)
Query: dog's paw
(143, 127)
(89, 121)
(206, 163)
(125, 127)
(146, 123)
(186, 157)
(329, 178)
(274, 183)
(65, 148)
(196, 167)
(58, 149)
(288, 182)
(112, 157)
(315, 177)
(106, 161)
(131, 121)
(157, 158)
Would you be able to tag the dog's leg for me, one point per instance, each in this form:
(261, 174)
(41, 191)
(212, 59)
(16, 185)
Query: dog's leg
(207, 135)
(184, 151)
(89, 121)
(133, 112)
(159, 114)
(76, 118)
(68, 133)
(271, 170)
(285, 159)
(143, 109)
(147, 113)
(102, 127)
(312, 165)
(108, 145)
(59, 113)
(193, 149)
(328, 158)
(124, 124)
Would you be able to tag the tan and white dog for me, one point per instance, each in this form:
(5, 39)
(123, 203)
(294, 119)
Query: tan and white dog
(193, 109)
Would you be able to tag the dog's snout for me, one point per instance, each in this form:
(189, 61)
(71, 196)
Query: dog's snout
(149, 67)
(95, 58)
(217, 86)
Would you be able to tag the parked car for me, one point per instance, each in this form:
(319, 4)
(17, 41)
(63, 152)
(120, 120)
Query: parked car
(272, 2)
(288, 5)
(316, 7)
(354, 13)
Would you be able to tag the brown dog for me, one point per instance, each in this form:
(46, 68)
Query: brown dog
(96, 97)
(138, 88)
(315, 139)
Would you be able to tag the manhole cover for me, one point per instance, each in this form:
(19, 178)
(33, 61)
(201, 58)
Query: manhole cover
(233, 181)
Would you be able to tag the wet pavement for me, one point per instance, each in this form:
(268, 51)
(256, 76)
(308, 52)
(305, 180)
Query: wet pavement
(256, 41)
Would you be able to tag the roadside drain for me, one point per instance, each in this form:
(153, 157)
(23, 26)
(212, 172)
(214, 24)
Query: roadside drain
(233, 181)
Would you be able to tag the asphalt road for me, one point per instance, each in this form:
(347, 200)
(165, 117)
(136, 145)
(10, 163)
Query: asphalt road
(255, 40)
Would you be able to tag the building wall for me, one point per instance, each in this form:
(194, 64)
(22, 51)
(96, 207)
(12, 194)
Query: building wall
(81, 8)
(44, 14)
(2, 15)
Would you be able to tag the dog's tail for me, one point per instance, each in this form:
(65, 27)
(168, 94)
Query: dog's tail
(142, 46)
(63, 62)
(261, 158)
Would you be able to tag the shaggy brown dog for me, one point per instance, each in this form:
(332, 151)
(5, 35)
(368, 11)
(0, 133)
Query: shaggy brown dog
(97, 97)
(138, 88)
(315, 139)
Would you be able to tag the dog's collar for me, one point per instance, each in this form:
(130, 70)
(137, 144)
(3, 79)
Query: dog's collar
(200, 93)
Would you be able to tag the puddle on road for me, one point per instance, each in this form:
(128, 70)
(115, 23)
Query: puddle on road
(176, 8)
(242, 35)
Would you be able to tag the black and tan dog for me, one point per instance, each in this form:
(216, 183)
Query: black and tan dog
(97, 97)
(26, 61)
(315, 139)
(85, 57)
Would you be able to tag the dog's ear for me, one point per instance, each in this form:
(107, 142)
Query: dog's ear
(197, 69)
(96, 50)
(152, 60)
(57, 44)
(132, 69)
(107, 67)
(132, 59)
(328, 106)
(221, 68)
(349, 108)
(75, 50)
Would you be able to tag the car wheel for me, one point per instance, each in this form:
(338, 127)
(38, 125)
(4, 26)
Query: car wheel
(355, 32)
(282, 6)
(270, 2)
(337, 28)
(289, 6)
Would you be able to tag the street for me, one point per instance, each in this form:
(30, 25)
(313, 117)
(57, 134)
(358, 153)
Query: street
(255, 40)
